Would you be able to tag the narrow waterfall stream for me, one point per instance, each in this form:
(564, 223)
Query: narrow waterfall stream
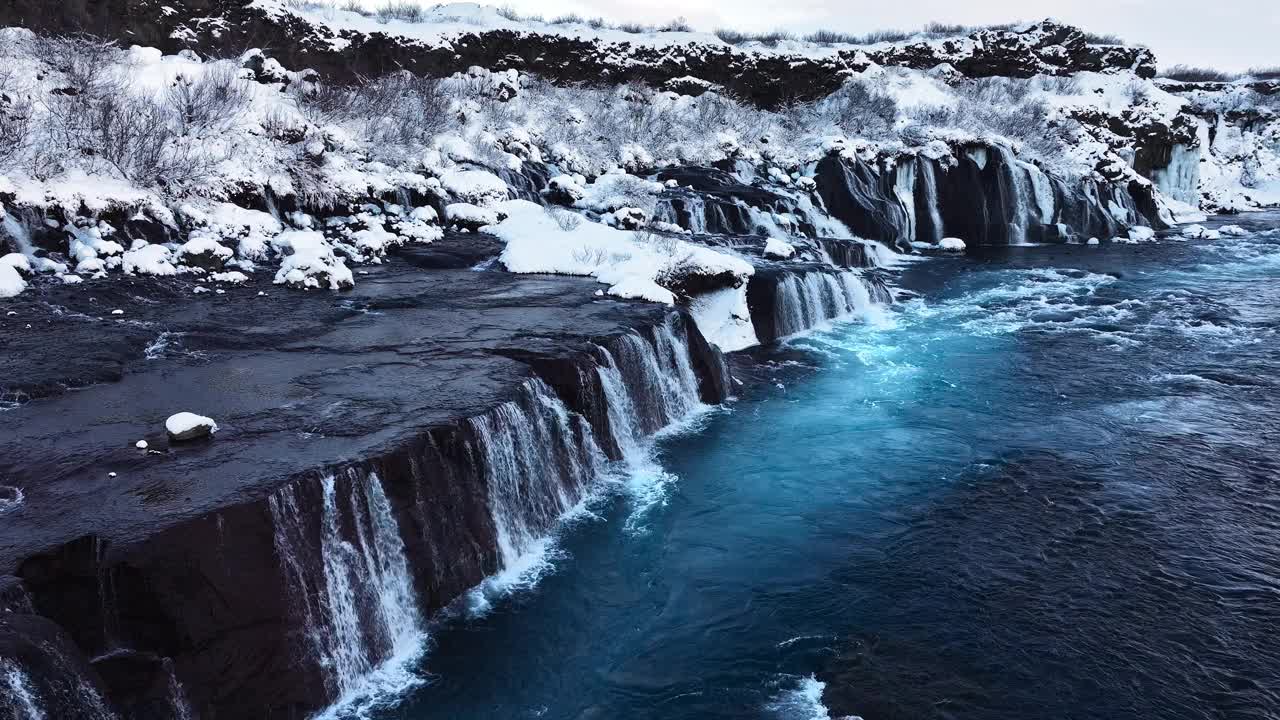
(932, 517)
(24, 702)
(352, 588)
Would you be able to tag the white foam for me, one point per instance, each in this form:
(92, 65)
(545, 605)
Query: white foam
(803, 701)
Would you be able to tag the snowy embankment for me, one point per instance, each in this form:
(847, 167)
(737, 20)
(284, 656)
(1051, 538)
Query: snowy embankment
(126, 161)
(634, 264)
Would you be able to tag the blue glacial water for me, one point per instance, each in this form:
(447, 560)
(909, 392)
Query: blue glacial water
(1049, 488)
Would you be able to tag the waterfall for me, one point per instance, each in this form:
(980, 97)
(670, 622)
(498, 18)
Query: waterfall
(803, 302)
(18, 232)
(353, 587)
(648, 385)
(622, 410)
(904, 188)
(539, 460)
(929, 203)
(24, 702)
(1180, 179)
(178, 695)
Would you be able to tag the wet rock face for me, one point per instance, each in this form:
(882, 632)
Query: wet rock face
(228, 27)
(176, 567)
(987, 197)
(44, 671)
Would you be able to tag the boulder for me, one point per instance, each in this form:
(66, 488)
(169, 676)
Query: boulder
(186, 426)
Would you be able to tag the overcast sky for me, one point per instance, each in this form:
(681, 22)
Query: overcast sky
(1227, 34)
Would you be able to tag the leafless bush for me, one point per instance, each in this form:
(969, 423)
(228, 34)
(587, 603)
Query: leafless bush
(281, 126)
(1188, 73)
(15, 119)
(1138, 92)
(860, 110)
(215, 99)
(509, 13)
(594, 256)
(395, 110)
(1092, 38)
(678, 25)
(660, 242)
(1264, 73)
(568, 221)
(570, 19)
(771, 38)
(405, 10)
(85, 61)
(1059, 84)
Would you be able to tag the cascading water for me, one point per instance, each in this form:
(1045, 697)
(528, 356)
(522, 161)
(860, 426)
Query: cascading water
(539, 460)
(22, 702)
(18, 232)
(178, 695)
(803, 302)
(647, 386)
(354, 594)
(927, 204)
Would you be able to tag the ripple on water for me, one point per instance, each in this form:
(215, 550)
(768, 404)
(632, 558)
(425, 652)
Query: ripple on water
(10, 498)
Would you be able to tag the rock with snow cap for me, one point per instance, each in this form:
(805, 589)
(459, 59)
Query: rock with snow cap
(188, 426)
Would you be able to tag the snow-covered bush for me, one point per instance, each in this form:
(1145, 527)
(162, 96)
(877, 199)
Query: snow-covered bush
(214, 99)
(392, 114)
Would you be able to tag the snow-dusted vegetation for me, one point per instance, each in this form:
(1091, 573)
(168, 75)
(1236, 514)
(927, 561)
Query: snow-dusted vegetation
(124, 159)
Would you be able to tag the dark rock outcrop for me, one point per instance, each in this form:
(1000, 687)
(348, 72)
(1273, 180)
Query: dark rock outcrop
(200, 566)
(230, 27)
(986, 197)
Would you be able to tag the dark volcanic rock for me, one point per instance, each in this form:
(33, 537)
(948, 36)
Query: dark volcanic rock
(229, 27)
(173, 553)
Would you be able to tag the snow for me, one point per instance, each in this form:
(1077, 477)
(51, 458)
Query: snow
(1228, 230)
(1200, 232)
(204, 245)
(630, 262)
(187, 423)
(142, 444)
(951, 244)
(11, 283)
(18, 262)
(724, 318)
(1141, 233)
(468, 214)
(145, 259)
(779, 249)
(309, 262)
(477, 187)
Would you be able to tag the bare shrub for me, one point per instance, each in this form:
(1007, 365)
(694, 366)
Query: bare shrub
(1188, 73)
(771, 38)
(660, 242)
(404, 10)
(1092, 38)
(1059, 84)
(566, 220)
(677, 25)
(1264, 73)
(15, 119)
(85, 61)
(214, 100)
(395, 110)
(860, 110)
(594, 256)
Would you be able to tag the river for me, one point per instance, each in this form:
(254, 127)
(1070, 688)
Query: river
(1048, 487)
